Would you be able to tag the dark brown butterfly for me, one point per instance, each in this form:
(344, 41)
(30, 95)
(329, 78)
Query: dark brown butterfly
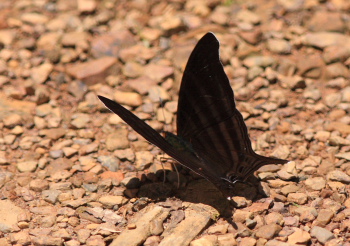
(212, 138)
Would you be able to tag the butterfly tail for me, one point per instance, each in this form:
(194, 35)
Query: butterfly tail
(270, 160)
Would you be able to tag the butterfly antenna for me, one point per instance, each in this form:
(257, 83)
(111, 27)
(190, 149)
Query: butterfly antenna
(178, 176)
(164, 173)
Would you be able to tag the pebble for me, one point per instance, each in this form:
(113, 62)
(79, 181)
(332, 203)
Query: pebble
(41, 73)
(261, 61)
(340, 176)
(268, 231)
(12, 121)
(279, 46)
(110, 162)
(128, 98)
(27, 166)
(111, 201)
(117, 140)
(299, 237)
(321, 234)
(324, 217)
(158, 72)
(317, 183)
(68, 161)
(248, 17)
(92, 71)
(218, 229)
(299, 198)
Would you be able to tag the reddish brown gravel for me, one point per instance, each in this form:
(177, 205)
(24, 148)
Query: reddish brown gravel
(72, 173)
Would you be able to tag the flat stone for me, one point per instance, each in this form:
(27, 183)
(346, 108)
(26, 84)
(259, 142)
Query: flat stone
(317, 183)
(27, 166)
(324, 39)
(321, 234)
(131, 99)
(136, 236)
(9, 213)
(110, 201)
(299, 237)
(93, 71)
(195, 221)
(117, 140)
(340, 176)
(268, 231)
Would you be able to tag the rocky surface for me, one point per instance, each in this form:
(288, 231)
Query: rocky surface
(71, 173)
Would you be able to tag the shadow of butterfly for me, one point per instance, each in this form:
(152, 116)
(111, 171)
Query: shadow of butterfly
(212, 139)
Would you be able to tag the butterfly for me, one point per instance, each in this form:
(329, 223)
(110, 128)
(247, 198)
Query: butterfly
(212, 139)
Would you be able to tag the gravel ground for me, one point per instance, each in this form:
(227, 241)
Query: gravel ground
(72, 173)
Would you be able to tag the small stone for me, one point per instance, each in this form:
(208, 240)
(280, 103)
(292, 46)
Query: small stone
(340, 176)
(261, 61)
(34, 18)
(158, 72)
(317, 183)
(93, 71)
(43, 110)
(48, 221)
(241, 216)
(38, 185)
(227, 239)
(240, 202)
(324, 217)
(89, 148)
(117, 140)
(248, 16)
(12, 120)
(50, 196)
(83, 235)
(274, 218)
(299, 198)
(131, 182)
(268, 231)
(157, 93)
(69, 152)
(336, 70)
(27, 166)
(86, 6)
(299, 237)
(332, 100)
(110, 162)
(279, 46)
(218, 229)
(248, 241)
(206, 240)
(111, 201)
(21, 238)
(41, 73)
(131, 99)
(321, 234)
(80, 120)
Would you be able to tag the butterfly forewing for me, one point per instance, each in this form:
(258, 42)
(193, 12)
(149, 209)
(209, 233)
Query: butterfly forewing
(208, 118)
(151, 135)
(211, 131)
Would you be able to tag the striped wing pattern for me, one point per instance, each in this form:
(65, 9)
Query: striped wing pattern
(207, 120)
(188, 160)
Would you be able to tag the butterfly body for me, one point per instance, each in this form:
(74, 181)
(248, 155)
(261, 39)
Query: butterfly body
(212, 138)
